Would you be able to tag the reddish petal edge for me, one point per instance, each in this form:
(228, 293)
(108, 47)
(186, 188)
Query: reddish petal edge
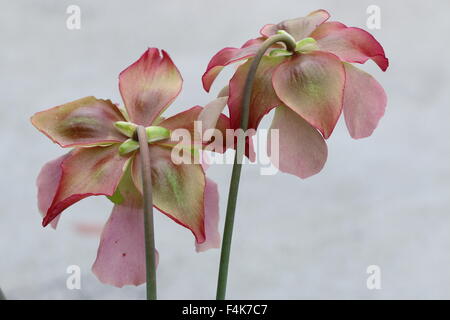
(58, 205)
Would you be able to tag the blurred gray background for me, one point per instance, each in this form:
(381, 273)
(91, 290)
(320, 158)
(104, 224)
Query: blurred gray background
(379, 201)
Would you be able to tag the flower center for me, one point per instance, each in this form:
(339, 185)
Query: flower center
(303, 46)
(154, 134)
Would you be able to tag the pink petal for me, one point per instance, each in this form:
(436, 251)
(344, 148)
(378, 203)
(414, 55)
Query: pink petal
(364, 102)
(263, 97)
(211, 202)
(211, 117)
(302, 151)
(84, 122)
(225, 57)
(312, 85)
(86, 172)
(350, 44)
(268, 30)
(47, 184)
(121, 253)
(178, 189)
(299, 28)
(149, 86)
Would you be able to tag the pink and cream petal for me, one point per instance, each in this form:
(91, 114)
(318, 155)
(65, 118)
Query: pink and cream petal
(269, 30)
(86, 172)
(301, 151)
(211, 203)
(47, 184)
(225, 57)
(299, 28)
(84, 122)
(350, 44)
(364, 102)
(312, 85)
(178, 189)
(121, 253)
(149, 86)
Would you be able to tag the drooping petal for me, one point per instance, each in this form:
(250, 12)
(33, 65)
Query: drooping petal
(149, 86)
(263, 97)
(212, 118)
(211, 203)
(299, 28)
(121, 253)
(178, 189)
(47, 184)
(302, 151)
(225, 57)
(86, 172)
(84, 122)
(364, 102)
(350, 44)
(312, 85)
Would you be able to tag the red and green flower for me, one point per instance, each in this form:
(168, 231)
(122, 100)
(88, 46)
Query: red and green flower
(105, 161)
(310, 87)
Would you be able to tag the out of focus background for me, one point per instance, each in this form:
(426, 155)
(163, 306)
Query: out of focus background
(381, 201)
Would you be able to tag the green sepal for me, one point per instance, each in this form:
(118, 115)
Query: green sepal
(128, 146)
(306, 44)
(156, 133)
(127, 128)
(279, 53)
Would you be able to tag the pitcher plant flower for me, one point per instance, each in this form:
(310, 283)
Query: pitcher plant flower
(310, 85)
(105, 161)
(303, 68)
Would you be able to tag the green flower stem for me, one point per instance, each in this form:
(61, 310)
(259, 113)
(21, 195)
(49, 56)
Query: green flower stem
(236, 173)
(2, 296)
(150, 259)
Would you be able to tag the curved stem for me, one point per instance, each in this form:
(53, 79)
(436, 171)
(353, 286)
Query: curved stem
(236, 173)
(150, 259)
(2, 296)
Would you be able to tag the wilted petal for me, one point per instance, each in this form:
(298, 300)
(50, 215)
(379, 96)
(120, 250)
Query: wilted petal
(263, 97)
(350, 44)
(84, 122)
(302, 151)
(312, 85)
(178, 190)
(299, 28)
(149, 85)
(225, 57)
(364, 102)
(86, 172)
(121, 253)
(47, 184)
(211, 203)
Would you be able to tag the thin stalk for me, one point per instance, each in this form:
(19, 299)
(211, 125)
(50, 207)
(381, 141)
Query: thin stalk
(2, 296)
(150, 259)
(236, 173)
